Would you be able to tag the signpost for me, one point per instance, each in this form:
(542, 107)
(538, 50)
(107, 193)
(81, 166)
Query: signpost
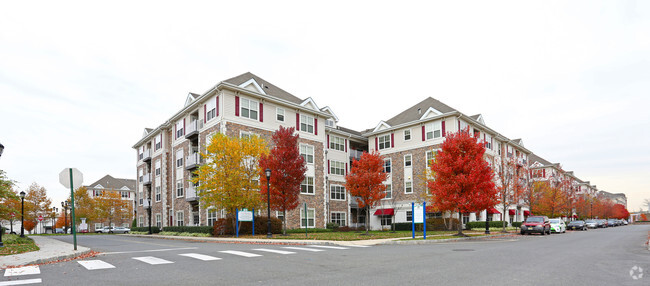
(40, 220)
(419, 214)
(69, 178)
(244, 215)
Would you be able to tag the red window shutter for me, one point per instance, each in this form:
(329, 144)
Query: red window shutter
(443, 129)
(392, 140)
(184, 126)
(261, 112)
(376, 143)
(315, 126)
(205, 113)
(217, 106)
(175, 131)
(297, 121)
(484, 140)
(129, 194)
(236, 105)
(544, 173)
(346, 168)
(423, 135)
(328, 141)
(458, 124)
(328, 166)
(346, 146)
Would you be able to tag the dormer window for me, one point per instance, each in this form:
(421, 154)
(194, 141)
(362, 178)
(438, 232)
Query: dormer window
(329, 123)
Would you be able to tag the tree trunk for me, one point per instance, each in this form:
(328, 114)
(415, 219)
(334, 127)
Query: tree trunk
(460, 225)
(367, 219)
(284, 222)
(503, 217)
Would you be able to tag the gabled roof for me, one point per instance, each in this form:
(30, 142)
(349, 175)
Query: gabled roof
(108, 182)
(269, 88)
(479, 118)
(412, 114)
(354, 132)
(532, 158)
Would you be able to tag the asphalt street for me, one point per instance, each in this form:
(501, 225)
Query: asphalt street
(594, 257)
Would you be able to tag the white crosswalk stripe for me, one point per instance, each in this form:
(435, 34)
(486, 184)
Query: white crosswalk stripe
(95, 264)
(274, 251)
(152, 260)
(24, 270)
(329, 247)
(240, 253)
(304, 248)
(200, 256)
(21, 282)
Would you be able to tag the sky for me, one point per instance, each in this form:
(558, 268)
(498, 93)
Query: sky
(79, 81)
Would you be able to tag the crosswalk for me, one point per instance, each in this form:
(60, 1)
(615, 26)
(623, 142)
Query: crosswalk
(97, 264)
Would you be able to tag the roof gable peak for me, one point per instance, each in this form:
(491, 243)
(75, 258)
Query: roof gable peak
(381, 126)
(252, 85)
(310, 103)
(431, 112)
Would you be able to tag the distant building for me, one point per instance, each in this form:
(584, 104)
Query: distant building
(618, 198)
(126, 188)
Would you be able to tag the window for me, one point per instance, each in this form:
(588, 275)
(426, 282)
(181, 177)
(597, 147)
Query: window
(408, 187)
(433, 130)
(306, 123)
(158, 193)
(337, 193)
(211, 110)
(407, 134)
(279, 114)
(387, 166)
(179, 188)
(409, 216)
(98, 225)
(389, 192)
(338, 218)
(279, 215)
(157, 142)
(464, 125)
(179, 219)
(386, 220)
(383, 142)
(97, 193)
(407, 160)
(337, 143)
(307, 186)
(337, 168)
(140, 197)
(488, 141)
(310, 220)
(212, 216)
(141, 221)
(249, 108)
(307, 152)
(499, 147)
(157, 169)
(329, 123)
(125, 195)
(140, 175)
(180, 125)
(179, 158)
(158, 220)
(431, 155)
(245, 135)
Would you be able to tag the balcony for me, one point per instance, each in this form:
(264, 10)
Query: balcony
(146, 204)
(192, 131)
(146, 179)
(146, 155)
(190, 194)
(355, 154)
(192, 161)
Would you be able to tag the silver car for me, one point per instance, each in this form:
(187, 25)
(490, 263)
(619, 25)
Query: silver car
(591, 223)
(120, 230)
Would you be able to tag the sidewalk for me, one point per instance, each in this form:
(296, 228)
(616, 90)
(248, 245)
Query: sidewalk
(50, 250)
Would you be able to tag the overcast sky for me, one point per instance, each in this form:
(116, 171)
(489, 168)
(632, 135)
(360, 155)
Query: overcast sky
(79, 81)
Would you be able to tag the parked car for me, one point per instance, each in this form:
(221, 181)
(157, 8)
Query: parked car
(120, 230)
(591, 223)
(624, 222)
(538, 224)
(557, 225)
(578, 225)
(105, 229)
(612, 222)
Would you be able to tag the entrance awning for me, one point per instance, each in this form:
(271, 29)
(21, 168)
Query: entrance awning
(493, 211)
(511, 212)
(526, 213)
(385, 212)
(575, 216)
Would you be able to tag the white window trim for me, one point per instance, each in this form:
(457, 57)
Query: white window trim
(344, 192)
(391, 191)
(387, 142)
(180, 214)
(313, 150)
(334, 165)
(241, 108)
(284, 114)
(345, 217)
(410, 135)
(337, 142)
(405, 187)
(313, 186)
(306, 122)
(411, 160)
(176, 188)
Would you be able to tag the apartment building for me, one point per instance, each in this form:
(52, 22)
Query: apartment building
(125, 187)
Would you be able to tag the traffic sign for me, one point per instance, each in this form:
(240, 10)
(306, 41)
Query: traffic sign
(77, 178)
(12, 214)
(40, 218)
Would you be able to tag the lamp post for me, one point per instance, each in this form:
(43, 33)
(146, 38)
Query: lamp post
(591, 212)
(64, 205)
(22, 214)
(268, 200)
(54, 211)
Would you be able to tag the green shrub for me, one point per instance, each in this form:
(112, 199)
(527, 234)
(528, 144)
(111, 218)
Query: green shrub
(134, 224)
(185, 234)
(348, 228)
(311, 230)
(189, 229)
(3, 230)
(224, 226)
(145, 229)
(516, 224)
(481, 224)
(332, 225)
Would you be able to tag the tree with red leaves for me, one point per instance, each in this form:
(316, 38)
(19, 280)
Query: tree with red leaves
(553, 201)
(463, 180)
(288, 171)
(620, 212)
(366, 181)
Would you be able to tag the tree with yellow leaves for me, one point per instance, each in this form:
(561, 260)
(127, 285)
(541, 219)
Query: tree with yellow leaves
(113, 209)
(229, 178)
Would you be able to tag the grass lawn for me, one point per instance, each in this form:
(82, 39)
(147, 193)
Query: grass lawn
(353, 235)
(14, 244)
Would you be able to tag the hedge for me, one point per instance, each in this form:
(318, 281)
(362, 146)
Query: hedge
(189, 229)
(146, 229)
(516, 224)
(432, 224)
(311, 230)
(481, 224)
(224, 226)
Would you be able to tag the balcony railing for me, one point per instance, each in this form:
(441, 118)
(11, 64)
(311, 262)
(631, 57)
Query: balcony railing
(146, 203)
(192, 161)
(355, 154)
(146, 179)
(190, 194)
(193, 129)
(146, 155)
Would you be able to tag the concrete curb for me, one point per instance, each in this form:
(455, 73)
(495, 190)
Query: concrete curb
(434, 241)
(50, 250)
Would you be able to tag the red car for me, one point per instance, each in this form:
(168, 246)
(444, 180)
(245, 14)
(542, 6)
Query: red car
(538, 224)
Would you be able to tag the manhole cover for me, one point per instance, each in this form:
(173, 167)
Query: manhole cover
(463, 249)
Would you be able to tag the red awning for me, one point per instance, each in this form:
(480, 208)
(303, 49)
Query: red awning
(511, 212)
(526, 213)
(385, 212)
(493, 211)
(575, 216)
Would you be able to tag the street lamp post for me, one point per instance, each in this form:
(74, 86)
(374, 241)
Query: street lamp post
(22, 214)
(591, 212)
(54, 211)
(268, 205)
(64, 205)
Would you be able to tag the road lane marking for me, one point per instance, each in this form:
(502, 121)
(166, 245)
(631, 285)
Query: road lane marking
(152, 260)
(305, 249)
(328, 246)
(25, 270)
(152, 250)
(200, 256)
(275, 251)
(21, 282)
(240, 253)
(95, 264)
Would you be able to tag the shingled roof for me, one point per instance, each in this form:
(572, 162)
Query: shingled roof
(268, 87)
(108, 182)
(534, 158)
(412, 114)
